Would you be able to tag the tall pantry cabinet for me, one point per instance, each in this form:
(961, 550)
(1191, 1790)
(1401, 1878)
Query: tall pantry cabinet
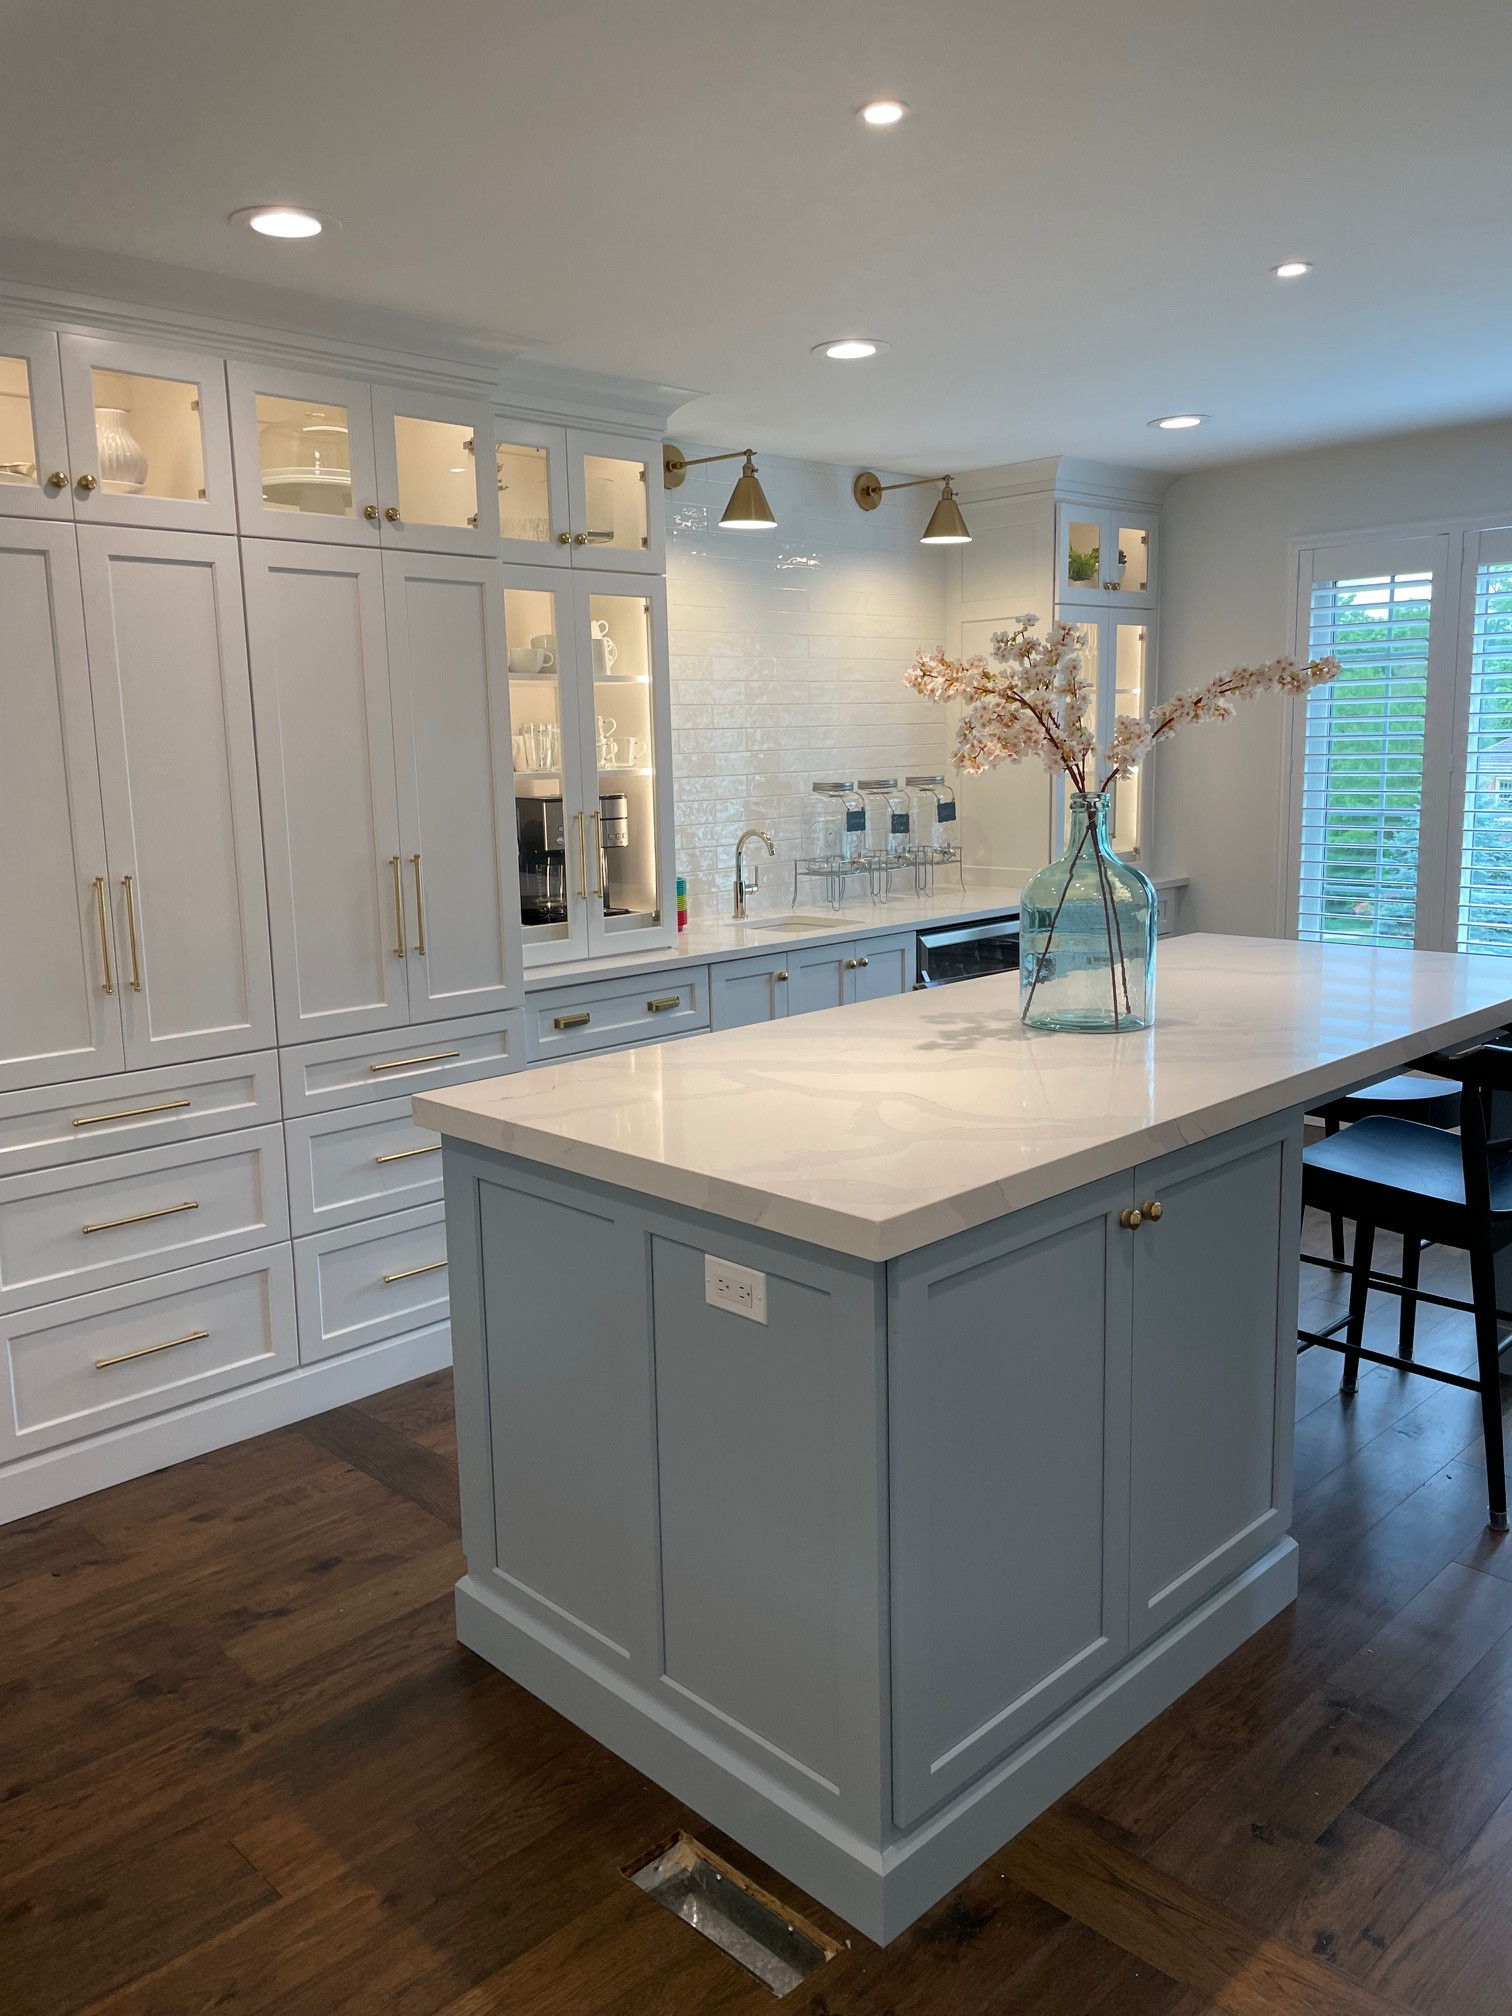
(259, 866)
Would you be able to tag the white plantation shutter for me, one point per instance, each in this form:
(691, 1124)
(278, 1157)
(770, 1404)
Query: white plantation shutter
(1485, 882)
(1360, 831)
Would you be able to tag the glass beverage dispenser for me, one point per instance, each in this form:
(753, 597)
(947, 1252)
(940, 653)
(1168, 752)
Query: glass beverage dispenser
(887, 817)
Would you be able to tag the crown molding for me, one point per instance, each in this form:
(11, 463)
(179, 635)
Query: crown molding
(1067, 476)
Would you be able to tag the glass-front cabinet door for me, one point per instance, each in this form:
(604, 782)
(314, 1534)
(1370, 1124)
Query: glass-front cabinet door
(1119, 663)
(615, 503)
(530, 464)
(1105, 552)
(148, 436)
(552, 831)
(437, 479)
(622, 633)
(304, 455)
(34, 474)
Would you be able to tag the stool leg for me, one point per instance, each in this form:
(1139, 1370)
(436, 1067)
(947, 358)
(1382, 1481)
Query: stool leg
(1336, 1223)
(1483, 1294)
(1359, 1288)
(1412, 1253)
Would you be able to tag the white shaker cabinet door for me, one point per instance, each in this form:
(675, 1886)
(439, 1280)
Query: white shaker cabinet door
(450, 688)
(178, 774)
(59, 1013)
(326, 763)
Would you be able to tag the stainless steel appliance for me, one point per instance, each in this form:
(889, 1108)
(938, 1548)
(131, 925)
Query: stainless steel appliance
(968, 951)
(614, 835)
(541, 828)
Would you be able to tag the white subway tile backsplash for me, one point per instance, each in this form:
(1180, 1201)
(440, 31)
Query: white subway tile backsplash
(788, 651)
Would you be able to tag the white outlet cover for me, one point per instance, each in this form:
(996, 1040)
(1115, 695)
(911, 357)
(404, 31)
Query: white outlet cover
(740, 1290)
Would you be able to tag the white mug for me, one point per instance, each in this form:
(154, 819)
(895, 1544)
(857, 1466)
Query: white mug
(604, 655)
(599, 627)
(546, 642)
(530, 658)
(636, 751)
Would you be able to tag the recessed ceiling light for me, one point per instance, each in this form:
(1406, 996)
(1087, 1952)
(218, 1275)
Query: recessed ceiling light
(282, 220)
(882, 112)
(845, 349)
(1171, 423)
(1292, 269)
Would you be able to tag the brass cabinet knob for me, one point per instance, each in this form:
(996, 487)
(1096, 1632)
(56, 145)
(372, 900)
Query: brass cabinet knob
(89, 483)
(564, 538)
(1152, 1210)
(850, 965)
(780, 976)
(863, 962)
(1132, 1219)
(580, 538)
(58, 480)
(392, 514)
(370, 512)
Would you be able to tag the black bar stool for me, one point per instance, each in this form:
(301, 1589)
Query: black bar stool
(1406, 1177)
(1432, 1103)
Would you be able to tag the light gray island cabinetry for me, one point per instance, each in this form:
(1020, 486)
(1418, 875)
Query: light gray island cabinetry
(837, 1447)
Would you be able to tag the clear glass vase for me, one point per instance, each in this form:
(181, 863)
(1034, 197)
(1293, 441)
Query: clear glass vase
(1087, 934)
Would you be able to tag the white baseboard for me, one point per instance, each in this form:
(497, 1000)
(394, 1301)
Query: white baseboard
(54, 1476)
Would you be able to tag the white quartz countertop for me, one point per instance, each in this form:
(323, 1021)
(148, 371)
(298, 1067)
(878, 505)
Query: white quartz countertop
(879, 1128)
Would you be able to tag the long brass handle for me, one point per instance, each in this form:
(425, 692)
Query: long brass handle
(419, 909)
(430, 1057)
(582, 858)
(109, 981)
(1154, 1210)
(662, 1003)
(141, 1217)
(408, 1273)
(404, 1154)
(136, 963)
(598, 853)
(148, 1350)
(128, 1113)
(1131, 1219)
(579, 1021)
(398, 905)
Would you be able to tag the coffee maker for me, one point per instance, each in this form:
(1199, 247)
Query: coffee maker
(614, 835)
(541, 827)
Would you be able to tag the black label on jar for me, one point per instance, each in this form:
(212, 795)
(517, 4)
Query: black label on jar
(855, 819)
(899, 822)
(946, 812)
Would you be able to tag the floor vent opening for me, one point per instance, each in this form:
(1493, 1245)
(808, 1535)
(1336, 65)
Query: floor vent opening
(776, 1945)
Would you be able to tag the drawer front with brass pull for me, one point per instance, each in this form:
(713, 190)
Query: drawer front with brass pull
(101, 1360)
(366, 1282)
(352, 1070)
(352, 1164)
(611, 1014)
(124, 1217)
(65, 1124)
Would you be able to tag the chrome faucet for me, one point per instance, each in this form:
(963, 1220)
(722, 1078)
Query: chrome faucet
(751, 833)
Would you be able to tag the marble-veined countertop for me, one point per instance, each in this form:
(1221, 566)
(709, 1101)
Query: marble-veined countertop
(879, 1128)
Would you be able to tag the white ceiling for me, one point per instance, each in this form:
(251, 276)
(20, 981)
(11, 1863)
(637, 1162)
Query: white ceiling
(1070, 235)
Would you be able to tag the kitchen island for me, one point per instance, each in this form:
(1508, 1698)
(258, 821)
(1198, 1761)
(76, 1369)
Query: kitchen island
(867, 1422)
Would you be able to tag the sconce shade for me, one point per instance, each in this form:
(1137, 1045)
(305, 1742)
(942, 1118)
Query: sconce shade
(748, 509)
(946, 526)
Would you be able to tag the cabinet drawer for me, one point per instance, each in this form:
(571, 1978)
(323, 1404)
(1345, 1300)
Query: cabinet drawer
(349, 1070)
(612, 1014)
(99, 1361)
(344, 1167)
(63, 1124)
(370, 1281)
(126, 1216)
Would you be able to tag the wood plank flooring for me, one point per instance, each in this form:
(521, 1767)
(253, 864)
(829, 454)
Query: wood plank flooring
(244, 1764)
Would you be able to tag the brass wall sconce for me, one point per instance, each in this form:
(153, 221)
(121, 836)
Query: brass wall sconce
(747, 510)
(946, 526)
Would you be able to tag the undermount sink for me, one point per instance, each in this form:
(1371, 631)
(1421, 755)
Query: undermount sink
(791, 921)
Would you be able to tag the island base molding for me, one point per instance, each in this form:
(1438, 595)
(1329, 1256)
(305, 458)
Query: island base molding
(880, 1892)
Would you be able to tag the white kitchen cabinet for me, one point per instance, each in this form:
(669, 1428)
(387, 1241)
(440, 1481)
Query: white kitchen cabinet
(885, 965)
(358, 1284)
(1120, 656)
(450, 697)
(349, 463)
(353, 1165)
(615, 502)
(864, 969)
(744, 991)
(530, 465)
(178, 776)
(34, 472)
(59, 1009)
(149, 437)
(315, 622)
(1105, 550)
(550, 716)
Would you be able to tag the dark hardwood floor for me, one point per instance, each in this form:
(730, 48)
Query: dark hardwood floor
(244, 1765)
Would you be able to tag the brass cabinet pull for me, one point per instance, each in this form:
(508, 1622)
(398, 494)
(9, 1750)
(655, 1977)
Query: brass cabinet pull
(407, 1273)
(861, 962)
(579, 1021)
(662, 1003)
(88, 483)
(141, 1217)
(392, 514)
(147, 1350)
(582, 858)
(58, 480)
(419, 909)
(1154, 1210)
(580, 538)
(404, 1154)
(430, 1057)
(370, 512)
(782, 975)
(598, 854)
(108, 982)
(1131, 1219)
(128, 1113)
(564, 538)
(851, 965)
(398, 905)
(136, 964)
